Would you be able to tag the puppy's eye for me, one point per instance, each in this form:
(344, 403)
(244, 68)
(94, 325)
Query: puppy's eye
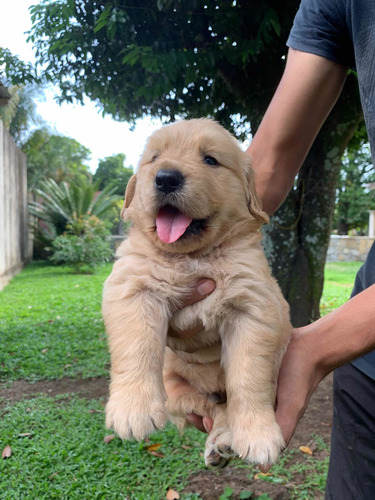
(154, 158)
(210, 160)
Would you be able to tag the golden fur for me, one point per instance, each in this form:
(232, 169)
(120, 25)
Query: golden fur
(245, 320)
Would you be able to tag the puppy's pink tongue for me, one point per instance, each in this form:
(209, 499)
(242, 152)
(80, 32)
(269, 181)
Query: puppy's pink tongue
(171, 224)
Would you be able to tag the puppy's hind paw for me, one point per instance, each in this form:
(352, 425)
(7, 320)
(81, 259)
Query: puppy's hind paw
(218, 452)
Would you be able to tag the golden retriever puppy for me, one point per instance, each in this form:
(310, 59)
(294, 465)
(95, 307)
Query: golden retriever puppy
(195, 214)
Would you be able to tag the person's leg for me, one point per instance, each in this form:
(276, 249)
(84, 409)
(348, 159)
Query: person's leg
(351, 473)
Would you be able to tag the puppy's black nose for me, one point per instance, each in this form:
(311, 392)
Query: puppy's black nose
(167, 180)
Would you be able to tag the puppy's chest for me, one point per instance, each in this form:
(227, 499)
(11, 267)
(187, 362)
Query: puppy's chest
(209, 310)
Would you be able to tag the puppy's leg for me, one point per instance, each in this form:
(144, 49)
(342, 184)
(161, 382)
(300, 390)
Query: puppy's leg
(183, 399)
(251, 356)
(137, 328)
(218, 450)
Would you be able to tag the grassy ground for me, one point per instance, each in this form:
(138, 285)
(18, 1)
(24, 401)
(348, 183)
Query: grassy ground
(338, 283)
(50, 327)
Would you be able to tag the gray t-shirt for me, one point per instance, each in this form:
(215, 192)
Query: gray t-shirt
(344, 31)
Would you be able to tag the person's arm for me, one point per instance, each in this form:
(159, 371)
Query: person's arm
(317, 349)
(306, 94)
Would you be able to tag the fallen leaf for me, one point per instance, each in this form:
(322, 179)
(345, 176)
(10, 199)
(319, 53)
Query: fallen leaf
(25, 434)
(306, 449)
(96, 411)
(153, 447)
(185, 447)
(156, 454)
(44, 350)
(7, 452)
(109, 438)
(172, 495)
(259, 475)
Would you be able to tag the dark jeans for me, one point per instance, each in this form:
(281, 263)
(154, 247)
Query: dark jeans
(351, 473)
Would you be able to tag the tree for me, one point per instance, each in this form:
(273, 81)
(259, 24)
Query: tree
(354, 199)
(112, 172)
(56, 156)
(198, 58)
(20, 113)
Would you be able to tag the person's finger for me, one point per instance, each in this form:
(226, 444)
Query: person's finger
(202, 288)
(197, 421)
(203, 424)
(207, 424)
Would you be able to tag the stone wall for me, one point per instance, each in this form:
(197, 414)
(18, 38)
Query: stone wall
(348, 248)
(341, 248)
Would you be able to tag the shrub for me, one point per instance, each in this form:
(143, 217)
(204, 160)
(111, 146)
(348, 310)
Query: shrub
(84, 245)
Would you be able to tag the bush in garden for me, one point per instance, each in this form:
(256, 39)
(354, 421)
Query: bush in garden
(84, 245)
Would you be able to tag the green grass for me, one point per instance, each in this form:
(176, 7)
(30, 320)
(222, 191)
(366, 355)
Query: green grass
(65, 457)
(51, 326)
(338, 283)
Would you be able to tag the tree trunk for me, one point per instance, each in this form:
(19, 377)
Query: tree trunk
(296, 240)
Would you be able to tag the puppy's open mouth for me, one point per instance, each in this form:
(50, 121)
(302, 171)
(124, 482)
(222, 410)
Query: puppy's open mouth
(171, 224)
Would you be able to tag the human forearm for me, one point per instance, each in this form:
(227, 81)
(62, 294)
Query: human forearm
(307, 92)
(344, 334)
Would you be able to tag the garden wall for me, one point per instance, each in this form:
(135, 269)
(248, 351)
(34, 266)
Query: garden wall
(14, 232)
(348, 248)
(341, 248)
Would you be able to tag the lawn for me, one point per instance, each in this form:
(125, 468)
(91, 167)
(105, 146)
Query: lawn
(338, 283)
(51, 327)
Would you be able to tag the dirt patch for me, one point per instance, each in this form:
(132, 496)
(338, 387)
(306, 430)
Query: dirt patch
(91, 388)
(209, 484)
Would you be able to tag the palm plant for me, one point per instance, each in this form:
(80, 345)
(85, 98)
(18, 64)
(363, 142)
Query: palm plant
(58, 205)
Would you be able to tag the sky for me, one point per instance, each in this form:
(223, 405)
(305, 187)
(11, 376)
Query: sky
(103, 136)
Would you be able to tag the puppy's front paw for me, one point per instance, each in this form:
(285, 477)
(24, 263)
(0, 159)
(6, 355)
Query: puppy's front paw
(218, 450)
(135, 417)
(258, 442)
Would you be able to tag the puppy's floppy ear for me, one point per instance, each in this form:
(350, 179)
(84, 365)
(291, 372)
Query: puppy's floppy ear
(129, 194)
(253, 201)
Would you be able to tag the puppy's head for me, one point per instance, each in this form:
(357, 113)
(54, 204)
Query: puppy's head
(194, 188)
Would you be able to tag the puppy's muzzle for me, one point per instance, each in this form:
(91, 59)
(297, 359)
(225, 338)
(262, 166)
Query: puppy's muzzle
(168, 181)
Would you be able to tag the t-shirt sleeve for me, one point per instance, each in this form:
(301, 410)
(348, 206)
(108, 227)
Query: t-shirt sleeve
(322, 27)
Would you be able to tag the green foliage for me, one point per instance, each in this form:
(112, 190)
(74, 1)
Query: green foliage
(354, 199)
(57, 157)
(227, 493)
(112, 172)
(62, 204)
(84, 245)
(169, 58)
(13, 70)
(20, 113)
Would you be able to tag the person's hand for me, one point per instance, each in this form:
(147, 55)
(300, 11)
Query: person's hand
(299, 376)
